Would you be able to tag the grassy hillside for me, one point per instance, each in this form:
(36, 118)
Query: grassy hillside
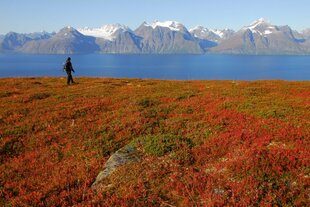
(203, 143)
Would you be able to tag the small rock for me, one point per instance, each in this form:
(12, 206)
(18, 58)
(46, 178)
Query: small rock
(121, 157)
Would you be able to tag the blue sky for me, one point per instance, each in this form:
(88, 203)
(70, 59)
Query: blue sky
(52, 15)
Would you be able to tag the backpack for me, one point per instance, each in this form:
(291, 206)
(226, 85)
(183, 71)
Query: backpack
(66, 66)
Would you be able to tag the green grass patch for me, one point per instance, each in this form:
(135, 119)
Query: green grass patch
(162, 144)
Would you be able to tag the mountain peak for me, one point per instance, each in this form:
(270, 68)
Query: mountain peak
(111, 28)
(108, 32)
(215, 35)
(199, 28)
(67, 29)
(173, 25)
(68, 32)
(260, 21)
(262, 27)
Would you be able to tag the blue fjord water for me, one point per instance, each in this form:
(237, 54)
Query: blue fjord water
(178, 67)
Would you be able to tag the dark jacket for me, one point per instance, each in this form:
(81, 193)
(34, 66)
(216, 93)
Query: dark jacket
(68, 67)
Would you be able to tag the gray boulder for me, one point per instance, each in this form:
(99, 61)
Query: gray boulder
(121, 157)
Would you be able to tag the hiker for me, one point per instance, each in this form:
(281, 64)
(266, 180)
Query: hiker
(68, 68)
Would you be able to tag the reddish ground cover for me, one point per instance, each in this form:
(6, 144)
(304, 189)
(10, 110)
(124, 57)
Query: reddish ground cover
(204, 143)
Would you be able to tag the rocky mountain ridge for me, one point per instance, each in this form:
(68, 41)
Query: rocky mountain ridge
(167, 37)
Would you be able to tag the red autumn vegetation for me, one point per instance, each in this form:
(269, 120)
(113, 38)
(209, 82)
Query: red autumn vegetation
(204, 143)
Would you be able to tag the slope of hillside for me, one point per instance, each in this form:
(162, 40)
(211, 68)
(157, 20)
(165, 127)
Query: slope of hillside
(203, 143)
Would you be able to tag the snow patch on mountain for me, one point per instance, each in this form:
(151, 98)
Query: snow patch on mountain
(211, 34)
(68, 32)
(108, 32)
(199, 31)
(262, 27)
(268, 32)
(199, 28)
(220, 33)
(258, 22)
(172, 25)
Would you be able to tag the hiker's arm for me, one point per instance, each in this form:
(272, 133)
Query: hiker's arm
(72, 67)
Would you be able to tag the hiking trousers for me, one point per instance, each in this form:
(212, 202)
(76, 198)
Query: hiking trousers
(69, 77)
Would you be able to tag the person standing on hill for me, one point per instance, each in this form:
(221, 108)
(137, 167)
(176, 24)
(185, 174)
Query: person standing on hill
(68, 68)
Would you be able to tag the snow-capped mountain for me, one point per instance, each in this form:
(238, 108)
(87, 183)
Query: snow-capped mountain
(12, 41)
(166, 37)
(40, 35)
(114, 38)
(215, 35)
(67, 41)
(259, 37)
(108, 32)
(262, 37)
(261, 27)
(223, 33)
(172, 25)
(68, 32)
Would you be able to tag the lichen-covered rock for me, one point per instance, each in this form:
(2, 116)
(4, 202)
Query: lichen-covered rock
(121, 157)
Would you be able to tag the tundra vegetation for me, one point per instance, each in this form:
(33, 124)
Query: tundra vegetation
(202, 143)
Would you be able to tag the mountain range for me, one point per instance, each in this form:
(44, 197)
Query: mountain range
(168, 37)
